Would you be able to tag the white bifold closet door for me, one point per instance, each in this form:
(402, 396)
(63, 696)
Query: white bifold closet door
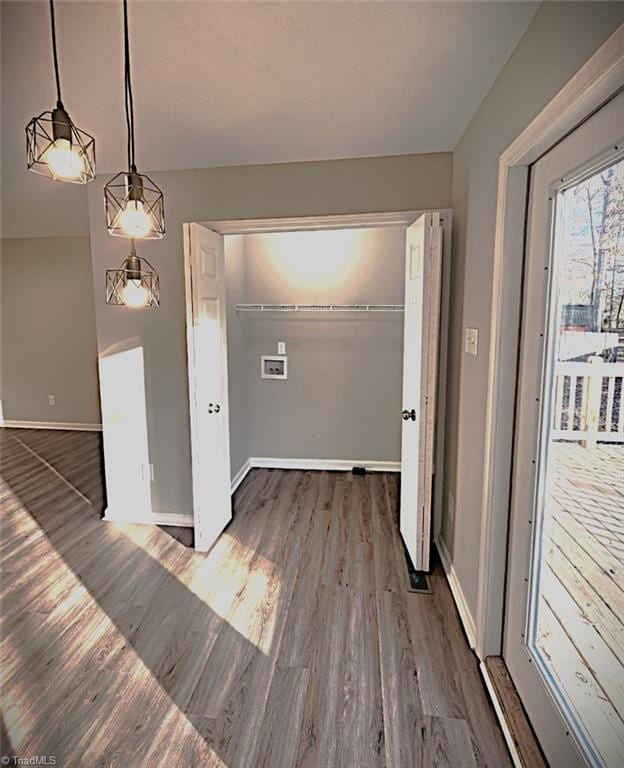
(423, 268)
(208, 382)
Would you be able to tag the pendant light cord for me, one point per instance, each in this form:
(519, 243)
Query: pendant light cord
(56, 64)
(128, 90)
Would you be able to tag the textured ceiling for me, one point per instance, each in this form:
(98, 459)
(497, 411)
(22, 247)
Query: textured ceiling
(246, 82)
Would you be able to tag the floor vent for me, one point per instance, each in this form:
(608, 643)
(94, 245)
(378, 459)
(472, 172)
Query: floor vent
(418, 582)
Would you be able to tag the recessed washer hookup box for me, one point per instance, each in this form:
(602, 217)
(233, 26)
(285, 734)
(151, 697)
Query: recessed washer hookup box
(274, 367)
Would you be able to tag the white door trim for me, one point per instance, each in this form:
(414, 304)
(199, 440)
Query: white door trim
(599, 78)
(330, 221)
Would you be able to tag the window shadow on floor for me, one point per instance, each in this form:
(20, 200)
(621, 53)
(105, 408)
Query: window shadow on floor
(137, 641)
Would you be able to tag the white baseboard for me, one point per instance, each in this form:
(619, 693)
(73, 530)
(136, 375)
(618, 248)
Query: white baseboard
(71, 425)
(172, 518)
(183, 520)
(340, 465)
(458, 595)
(240, 475)
(509, 739)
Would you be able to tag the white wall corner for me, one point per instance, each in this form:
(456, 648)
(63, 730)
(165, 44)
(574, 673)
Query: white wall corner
(240, 475)
(465, 614)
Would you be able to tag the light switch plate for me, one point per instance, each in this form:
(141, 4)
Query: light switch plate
(471, 341)
(281, 347)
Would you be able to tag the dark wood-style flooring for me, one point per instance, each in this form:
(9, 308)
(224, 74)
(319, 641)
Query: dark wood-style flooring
(294, 642)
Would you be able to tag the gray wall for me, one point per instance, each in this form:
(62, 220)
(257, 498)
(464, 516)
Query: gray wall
(561, 37)
(342, 398)
(48, 330)
(291, 189)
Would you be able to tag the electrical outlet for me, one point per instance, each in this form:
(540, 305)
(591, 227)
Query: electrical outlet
(451, 508)
(51, 400)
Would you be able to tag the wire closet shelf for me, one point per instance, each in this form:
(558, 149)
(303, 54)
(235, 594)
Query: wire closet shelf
(339, 308)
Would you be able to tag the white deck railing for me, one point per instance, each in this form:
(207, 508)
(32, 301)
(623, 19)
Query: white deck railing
(589, 402)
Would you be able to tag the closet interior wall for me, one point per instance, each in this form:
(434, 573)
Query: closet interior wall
(342, 397)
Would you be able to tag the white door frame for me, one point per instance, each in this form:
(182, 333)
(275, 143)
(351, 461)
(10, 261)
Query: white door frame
(598, 80)
(359, 221)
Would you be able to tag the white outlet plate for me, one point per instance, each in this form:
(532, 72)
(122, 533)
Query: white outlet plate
(51, 400)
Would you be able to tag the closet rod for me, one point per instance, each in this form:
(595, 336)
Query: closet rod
(319, 307)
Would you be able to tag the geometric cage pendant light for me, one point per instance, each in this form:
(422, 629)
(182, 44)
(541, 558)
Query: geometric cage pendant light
(134, 284)
(134, 204)
(55, 147)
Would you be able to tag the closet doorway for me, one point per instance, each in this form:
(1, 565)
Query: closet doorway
(314, 343)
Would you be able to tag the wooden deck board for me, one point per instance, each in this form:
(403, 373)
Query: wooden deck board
(580, 620)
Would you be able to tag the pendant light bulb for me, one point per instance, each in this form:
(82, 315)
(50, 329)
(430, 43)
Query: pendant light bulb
(64, 162)
(134, 220)
(134, 294)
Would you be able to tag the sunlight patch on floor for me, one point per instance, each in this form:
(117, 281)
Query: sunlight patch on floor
(236, 584)
(233, 580)
(17, 710)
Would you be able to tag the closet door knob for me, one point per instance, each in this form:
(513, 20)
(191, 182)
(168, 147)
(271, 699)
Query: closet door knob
(407, 415)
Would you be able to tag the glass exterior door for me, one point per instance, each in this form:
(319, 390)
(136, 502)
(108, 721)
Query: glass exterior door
(564, 640)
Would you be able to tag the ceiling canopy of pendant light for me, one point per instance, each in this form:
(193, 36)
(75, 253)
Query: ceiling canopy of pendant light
(55, 147)
(134, 284)
(134, 204)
